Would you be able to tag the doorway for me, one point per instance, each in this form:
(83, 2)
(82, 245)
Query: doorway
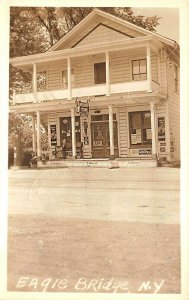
(100, 137)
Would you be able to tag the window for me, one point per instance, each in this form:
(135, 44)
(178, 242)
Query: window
(66, 130)
(100, 73)
(139, 69)
(42, 81)
(140, 129)
(65, 78)
(105, 117)
(176, 78)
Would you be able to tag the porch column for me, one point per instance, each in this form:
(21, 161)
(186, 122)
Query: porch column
(33, 135)
(149, 71)
(69, 78)
(111, 131)
(34, 82)
(107, 74)
(38, 135)
(73, 133)
(153, 129)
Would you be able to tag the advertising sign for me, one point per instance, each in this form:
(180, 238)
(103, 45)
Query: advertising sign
(138, 136)
(144, 151)
(82, 107)
(149, 134)
(59, 152)
(133, 139)
(53, 135)
(161, 129)
(86, 140)
(97, 143)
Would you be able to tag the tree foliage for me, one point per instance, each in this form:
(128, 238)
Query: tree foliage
(35, 29)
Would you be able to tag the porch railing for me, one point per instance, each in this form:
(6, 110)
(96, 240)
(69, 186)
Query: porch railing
(95, 90)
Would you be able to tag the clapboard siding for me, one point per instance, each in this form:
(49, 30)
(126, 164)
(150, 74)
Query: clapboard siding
(101, 34)
(120, 69)
(54, 79)
(52, 118)
(154, 64)
(163, 77)
(120, 66)
(160, 109)
(78, 39)
(174, 112)
(83, 72)
(120, 27)
(123, 132)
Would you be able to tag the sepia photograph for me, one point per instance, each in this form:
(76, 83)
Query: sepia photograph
(94, 163)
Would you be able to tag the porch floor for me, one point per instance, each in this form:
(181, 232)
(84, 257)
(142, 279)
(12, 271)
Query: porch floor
(100, 163)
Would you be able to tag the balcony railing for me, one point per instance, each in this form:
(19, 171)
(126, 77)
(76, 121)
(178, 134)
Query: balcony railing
(95, 90)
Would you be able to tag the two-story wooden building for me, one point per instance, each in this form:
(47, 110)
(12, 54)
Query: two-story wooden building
(110, 89)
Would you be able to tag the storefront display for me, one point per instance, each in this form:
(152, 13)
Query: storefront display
(93, 137)
(140, 129)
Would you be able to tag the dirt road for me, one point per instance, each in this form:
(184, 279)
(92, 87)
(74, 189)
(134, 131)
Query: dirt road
(139, 195)
(84, 230)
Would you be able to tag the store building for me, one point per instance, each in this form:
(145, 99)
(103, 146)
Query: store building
(110, 90)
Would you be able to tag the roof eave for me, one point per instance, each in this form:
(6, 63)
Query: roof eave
(76, 52)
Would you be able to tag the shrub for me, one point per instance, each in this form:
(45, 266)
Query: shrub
(26, 156)
(11, 157)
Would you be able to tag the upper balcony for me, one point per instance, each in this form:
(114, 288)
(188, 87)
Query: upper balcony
(92, 72)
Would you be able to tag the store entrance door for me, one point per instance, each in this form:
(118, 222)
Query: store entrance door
(101, 140)
(98, 140)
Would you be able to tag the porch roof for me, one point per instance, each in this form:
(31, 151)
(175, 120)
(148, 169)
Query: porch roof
(116, 99)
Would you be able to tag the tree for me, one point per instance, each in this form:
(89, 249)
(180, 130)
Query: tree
(73, 15)
(35, 29)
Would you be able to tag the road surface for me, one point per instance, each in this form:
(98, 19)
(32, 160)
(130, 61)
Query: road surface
(94, 230)
(142, 195)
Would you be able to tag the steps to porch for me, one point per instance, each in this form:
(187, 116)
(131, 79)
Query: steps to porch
(99, 163)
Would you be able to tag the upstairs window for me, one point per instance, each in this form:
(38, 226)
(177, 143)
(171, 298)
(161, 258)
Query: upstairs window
(100, 73)
(176, 78)
(65, 78)
(139, 69)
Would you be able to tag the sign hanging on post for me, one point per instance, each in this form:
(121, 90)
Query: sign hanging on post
(82, 107)
(53, 135)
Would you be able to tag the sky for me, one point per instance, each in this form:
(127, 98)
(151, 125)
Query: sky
(169, 22)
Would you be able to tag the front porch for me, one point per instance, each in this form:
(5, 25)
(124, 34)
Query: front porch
(111, 133)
